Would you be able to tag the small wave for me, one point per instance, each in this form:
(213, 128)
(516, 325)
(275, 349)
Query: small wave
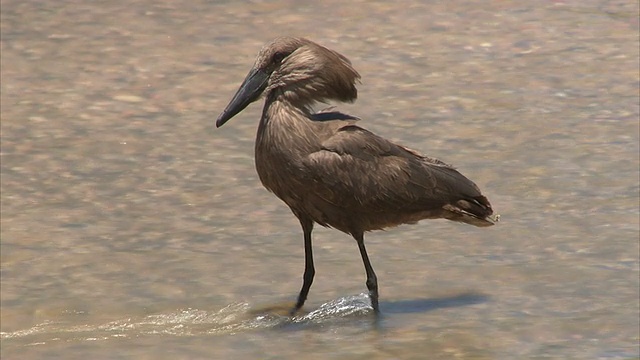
(231, 319)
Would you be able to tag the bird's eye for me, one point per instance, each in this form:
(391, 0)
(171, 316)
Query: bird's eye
(278, 57)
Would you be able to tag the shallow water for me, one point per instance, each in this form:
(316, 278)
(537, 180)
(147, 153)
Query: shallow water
(131, 228)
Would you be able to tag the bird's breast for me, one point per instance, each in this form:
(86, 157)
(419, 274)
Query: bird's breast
(278, 157)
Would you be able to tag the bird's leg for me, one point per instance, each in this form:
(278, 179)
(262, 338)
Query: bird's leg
(372, 280)
(309, 270)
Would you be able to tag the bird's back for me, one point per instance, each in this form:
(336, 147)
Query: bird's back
(354, 180)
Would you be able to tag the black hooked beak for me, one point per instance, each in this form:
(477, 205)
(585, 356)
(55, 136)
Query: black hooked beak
(250, 90)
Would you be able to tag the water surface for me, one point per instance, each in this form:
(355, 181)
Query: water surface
(131, 228)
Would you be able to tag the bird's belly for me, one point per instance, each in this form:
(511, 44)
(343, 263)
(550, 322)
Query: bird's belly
(360, 219)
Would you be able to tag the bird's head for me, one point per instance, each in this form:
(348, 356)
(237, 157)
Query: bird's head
(298, 70)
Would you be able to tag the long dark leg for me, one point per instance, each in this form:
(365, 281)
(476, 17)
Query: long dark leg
(372, 280)
(309, 270)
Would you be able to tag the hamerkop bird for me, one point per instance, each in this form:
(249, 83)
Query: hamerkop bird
(333, 172)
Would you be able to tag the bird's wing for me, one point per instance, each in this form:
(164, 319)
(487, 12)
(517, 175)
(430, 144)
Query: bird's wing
(358, 169)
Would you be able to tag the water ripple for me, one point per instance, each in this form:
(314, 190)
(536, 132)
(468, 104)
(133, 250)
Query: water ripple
(231, 319)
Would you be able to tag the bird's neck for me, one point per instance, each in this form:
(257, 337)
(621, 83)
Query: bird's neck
(285, 125)
(285, 138)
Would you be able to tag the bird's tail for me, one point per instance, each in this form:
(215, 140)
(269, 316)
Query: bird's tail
(474, 210)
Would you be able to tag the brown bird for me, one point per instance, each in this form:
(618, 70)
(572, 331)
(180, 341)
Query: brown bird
(332, 172)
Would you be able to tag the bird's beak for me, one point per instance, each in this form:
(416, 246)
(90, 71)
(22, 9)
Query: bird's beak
(250, 90)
